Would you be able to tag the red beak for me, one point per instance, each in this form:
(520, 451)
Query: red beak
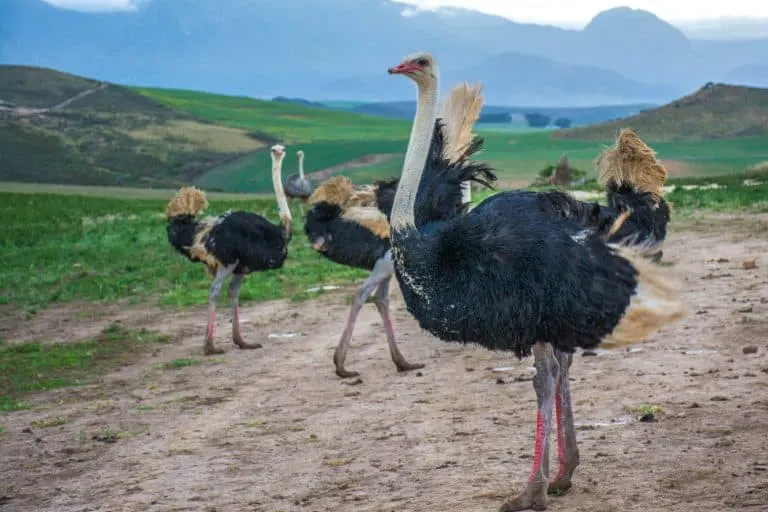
(405, 67)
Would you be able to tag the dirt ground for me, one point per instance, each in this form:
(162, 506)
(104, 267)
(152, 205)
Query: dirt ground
(275, 430)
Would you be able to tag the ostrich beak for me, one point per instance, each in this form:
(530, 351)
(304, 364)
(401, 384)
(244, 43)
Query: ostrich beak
(401, 69)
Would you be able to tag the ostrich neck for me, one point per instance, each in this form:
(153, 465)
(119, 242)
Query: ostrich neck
(415, 157)
(301, 167)
(282, 201)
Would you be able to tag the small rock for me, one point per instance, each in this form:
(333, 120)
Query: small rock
(694, 405)
(499, 381)
(746, 309)
(26, 430)
(719, 398)
(681, 415)
(749, 349)
(355, 382)
(588, 353)
(749, 264)
(419, 374)
(648, 417)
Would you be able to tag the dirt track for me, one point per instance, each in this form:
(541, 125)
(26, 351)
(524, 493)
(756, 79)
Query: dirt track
(276, 430)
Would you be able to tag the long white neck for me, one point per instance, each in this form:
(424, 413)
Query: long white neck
(415, 156)
(466, 192)
(301, 166)
(282, 201)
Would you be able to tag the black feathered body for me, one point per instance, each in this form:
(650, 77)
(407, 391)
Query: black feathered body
(647, 225)
(297, 187)
(240, 237)
(343, 241)
(509, 274)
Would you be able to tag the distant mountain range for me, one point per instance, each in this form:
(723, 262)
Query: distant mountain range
(340, 49)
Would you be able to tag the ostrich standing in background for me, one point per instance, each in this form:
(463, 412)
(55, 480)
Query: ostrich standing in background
(351, 227)
(234, 243)
(296, 185)
(510, 275)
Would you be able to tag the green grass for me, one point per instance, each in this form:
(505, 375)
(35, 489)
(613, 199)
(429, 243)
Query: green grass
(291, 123)
(181, 363)
(31, 367)
(59, 248)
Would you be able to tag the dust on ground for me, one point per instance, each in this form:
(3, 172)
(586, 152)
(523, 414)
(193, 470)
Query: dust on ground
(275, 430)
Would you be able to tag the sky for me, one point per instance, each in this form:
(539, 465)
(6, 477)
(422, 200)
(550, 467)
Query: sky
(571, 13)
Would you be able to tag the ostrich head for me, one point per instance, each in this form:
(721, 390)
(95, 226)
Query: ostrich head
(419, 67)
(278, 151)
(300, 153)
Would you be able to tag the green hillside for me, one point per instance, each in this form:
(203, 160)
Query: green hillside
(104, 135)
(716, 111)
(142, 137)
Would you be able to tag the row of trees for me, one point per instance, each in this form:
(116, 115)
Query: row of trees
(534, 119)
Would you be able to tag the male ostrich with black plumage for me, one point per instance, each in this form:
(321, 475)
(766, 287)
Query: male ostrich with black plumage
(512, 275)
(234, 243)
(351, 227)
(297, 185)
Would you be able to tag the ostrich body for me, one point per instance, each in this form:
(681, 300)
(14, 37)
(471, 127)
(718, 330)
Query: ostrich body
(351, 227)
(510, 275)
(234, 243)
(296, 185)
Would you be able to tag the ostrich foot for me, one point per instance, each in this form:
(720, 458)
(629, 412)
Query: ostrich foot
(534, 497)
(345, 374)
(404, 366)
(241, 343)
(210, 349)
(560, 485)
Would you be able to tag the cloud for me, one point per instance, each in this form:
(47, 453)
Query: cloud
(98, 5)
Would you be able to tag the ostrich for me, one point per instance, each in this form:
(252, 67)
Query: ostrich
(234, 243)
(296, 185)
(510, 275)
(351, 227)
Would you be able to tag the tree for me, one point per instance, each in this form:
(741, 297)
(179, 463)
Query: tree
(563, 122)
(536, 120)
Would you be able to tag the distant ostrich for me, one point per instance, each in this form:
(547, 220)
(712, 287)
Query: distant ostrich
(510, 275)
(350, 226)
(296, 185)
(235, 243)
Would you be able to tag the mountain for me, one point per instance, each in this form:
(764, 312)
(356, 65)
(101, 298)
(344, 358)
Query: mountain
(716, 111)
(333, 49)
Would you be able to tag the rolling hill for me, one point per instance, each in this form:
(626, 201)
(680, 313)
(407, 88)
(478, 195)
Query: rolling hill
(60, 128)
(106, 134)
(716, 111)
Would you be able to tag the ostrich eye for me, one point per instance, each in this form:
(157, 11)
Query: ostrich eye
(422, 62)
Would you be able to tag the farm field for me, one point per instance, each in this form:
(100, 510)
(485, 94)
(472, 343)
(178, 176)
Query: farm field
(332, 138)
(136, 419)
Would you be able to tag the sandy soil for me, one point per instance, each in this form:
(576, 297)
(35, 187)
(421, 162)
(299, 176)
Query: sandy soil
(275, 429)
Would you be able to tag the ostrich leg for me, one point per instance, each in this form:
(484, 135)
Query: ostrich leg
(382, 303)
(535, 494)
(379, 273)
(221, 274)
(234, 295)
(567, 450)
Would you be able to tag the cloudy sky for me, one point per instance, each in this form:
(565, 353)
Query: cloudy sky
(559, 12)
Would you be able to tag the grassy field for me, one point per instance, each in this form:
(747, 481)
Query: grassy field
(62, 248)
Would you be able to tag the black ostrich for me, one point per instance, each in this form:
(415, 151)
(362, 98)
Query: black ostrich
(351, 227)
(236, 243)
(511, 275)
(296, 185)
